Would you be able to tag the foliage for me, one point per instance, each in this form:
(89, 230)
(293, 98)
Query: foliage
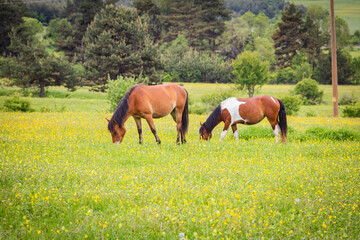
(345, 69)
(117, 89)
(184, 64)
(356, 67)
(292, 104)
(17, 104)
(288, 37)
(213, 99)
(309, 92)
(352, 111)
(347, 100)
(120, 48)
(270, 8)
(11, 15)
(45, 69)
(234, 39)
(285, 76)
(249, 72)
(202, 21)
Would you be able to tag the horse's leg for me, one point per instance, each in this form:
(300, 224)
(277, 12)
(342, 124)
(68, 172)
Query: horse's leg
(275, 126)
(223, 133)
(178, 125)
(138, 124)
(150, 121)
(236, 135)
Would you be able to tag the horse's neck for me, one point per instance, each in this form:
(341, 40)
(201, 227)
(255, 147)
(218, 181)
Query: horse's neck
(211, 123)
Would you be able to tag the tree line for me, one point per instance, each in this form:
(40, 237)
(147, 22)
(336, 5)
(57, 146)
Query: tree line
(90, 42)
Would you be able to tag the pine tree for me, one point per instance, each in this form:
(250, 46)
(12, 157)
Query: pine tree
(201, 21)
(288, 38)
(117, 43)
(11, 16)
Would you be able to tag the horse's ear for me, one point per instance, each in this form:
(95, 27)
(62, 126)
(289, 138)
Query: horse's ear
(107, 119)
(114, 122)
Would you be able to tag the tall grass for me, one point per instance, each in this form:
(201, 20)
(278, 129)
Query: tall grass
(62, 178)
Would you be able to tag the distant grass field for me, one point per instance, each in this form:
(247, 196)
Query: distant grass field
(83, 100)
(346, 9)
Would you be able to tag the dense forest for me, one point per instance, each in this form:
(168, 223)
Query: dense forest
(86, 43)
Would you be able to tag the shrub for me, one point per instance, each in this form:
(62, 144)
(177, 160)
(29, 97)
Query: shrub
(285, 76)
(347, 100)
(17, 104)
(352, 111)
(309, 92)
(117, 89)
(213, 99)
(292, 104)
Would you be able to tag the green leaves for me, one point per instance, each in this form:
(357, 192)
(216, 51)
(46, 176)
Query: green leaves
(249, 72)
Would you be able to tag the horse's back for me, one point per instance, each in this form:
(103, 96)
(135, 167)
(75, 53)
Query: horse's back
(159, 100)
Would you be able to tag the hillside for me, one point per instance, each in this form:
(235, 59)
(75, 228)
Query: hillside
(346, 9)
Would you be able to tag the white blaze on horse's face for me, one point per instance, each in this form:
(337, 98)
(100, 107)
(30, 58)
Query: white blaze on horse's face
(232, 105)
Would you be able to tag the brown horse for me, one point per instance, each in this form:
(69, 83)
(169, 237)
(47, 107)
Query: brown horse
(150, 102)
(247, 111)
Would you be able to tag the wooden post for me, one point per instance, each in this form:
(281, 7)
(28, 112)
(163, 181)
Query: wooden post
(334, 75)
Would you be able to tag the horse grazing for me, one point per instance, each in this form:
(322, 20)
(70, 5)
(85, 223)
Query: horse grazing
(150, 102)
(246, 111)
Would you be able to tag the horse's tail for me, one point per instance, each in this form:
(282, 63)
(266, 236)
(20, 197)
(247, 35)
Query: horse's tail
(185, 115)
(282, 121)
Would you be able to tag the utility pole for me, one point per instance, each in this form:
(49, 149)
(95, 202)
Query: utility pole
(334, 75)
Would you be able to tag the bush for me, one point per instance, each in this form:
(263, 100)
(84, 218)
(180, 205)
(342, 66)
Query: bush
(353, 111)
(17, 104)
(347, 100)
(309, 92)
(184, 64)
(117, 89)
(292, 104)
(213, 99)
(285, 76)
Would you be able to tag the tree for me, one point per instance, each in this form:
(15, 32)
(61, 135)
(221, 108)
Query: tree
(309, 92)
(342, 32)
(202, 21)
(345, 68)
(234, 39)
(11, 16)
(117, 43)
(288, 37)
(250, 72)
(150, 13)
(30, 64)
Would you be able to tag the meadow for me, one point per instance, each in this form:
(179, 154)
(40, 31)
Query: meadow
(62, 178)
(346, 9)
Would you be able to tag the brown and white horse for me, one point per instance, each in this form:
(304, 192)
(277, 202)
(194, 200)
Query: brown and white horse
(150, 102)
(247, 111)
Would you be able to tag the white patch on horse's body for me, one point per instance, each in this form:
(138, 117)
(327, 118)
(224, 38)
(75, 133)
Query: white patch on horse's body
(236, 135)
(232, 105)
(277, 132)
(273, 99)
(223, 134)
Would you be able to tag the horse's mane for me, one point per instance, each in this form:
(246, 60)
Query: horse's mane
(211, 121)
(121, 110)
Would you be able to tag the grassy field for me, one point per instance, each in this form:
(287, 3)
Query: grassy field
(346, 9)
(62, 178)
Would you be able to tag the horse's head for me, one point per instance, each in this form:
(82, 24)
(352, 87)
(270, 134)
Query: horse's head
(203, 133)
(117, 133)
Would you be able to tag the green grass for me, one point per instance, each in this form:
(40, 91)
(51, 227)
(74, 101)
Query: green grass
(346, 9)
(83, 100)
(62, 178)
